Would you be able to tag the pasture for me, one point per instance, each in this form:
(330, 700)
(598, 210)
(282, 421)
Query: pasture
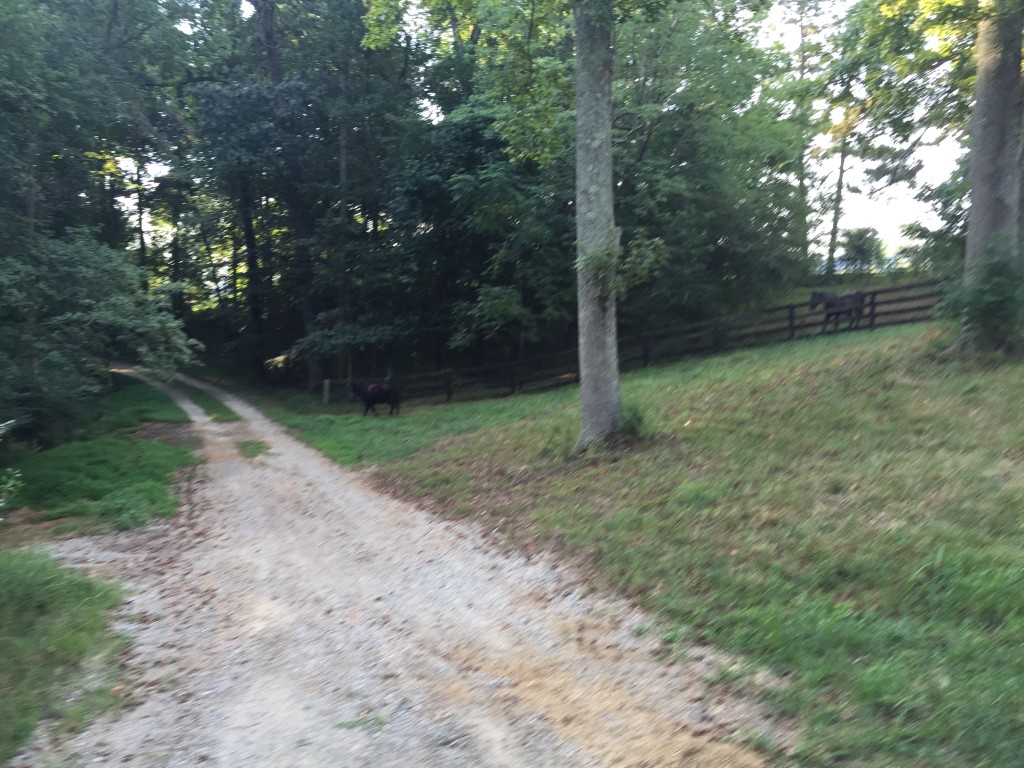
(845, 511)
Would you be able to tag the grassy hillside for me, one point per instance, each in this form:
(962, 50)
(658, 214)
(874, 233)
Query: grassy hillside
(845, 510)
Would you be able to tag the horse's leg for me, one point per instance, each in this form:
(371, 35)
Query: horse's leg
(824, 323)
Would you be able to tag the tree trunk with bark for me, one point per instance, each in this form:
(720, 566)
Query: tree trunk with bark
(597, 238)
(837, 208)
(295, 201)
(254, 281)
(994, 220)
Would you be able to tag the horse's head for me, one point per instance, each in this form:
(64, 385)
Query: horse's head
(825, 299)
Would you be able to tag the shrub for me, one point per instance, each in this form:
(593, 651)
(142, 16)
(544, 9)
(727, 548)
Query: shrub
(990, 306)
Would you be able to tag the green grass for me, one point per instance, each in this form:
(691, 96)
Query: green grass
(129, 403)
(845, 510)
(108, 475)
(115, 478)
(347, 436)
(214, 408)
(250, 449)
(51, 618)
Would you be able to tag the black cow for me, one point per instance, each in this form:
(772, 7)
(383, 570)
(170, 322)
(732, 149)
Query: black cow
(375, 394)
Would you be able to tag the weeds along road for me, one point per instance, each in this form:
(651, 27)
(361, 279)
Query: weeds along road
(290, 616)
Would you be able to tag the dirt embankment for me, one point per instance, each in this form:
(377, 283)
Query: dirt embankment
(290, 616)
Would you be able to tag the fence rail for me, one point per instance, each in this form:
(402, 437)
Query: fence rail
(898, 305)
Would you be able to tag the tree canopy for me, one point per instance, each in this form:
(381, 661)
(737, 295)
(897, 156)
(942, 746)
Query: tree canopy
(328, 187)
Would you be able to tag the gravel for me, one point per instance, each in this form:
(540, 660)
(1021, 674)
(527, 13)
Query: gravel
(291, 616)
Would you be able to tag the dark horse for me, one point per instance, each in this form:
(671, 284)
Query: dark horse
(850, 304)
(373, 395)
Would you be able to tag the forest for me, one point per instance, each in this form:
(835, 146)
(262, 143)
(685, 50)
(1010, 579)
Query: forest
(288, 191)
(314, 188)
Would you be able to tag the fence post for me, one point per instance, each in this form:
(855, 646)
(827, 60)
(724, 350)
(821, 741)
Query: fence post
(327, 391)
(792, 321)
(449, 385)
(513, 384)
(645, 340)
(874, 299)
(719, 337)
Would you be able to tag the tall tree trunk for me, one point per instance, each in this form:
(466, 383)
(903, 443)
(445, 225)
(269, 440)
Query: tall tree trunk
(234, 267)
(803, 115)
(178, 304)
(597, 239)
(140, 212)
(314, 362)
(341, 261)
(291, 193)
(212, 263)
(177, 257)
(837, 207)
(993, 223)
(268, 36)
(31, 189)
(254, 282)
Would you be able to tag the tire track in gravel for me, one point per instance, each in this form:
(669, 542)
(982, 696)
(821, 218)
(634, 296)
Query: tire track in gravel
(291, 616)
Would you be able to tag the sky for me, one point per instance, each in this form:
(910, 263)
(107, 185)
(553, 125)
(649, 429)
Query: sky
(894, 207)
(886, 210)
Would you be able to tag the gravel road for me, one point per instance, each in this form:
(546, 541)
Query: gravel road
(291, 616)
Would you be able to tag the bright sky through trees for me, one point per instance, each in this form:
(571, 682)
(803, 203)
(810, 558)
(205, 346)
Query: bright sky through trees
(887, 209)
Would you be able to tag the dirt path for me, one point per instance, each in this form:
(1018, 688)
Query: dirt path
(289, 616)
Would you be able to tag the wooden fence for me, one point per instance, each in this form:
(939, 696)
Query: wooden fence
(883, 307)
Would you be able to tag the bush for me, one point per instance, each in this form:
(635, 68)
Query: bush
(10, 478)
(990, 307)
(10, 482)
